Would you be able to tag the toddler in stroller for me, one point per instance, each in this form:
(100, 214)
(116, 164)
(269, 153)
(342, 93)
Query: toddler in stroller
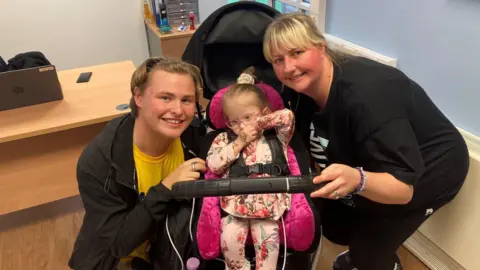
(255, 144)
(224, 45)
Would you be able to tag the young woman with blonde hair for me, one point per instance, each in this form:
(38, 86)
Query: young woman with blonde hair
(125, 175)
(389, 155)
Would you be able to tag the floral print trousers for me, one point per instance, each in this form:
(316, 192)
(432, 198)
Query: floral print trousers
(265, 240)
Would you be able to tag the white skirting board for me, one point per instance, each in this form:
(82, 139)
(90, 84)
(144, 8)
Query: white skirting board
(430, 254)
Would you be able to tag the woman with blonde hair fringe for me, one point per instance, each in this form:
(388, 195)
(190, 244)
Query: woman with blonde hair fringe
(389, 156)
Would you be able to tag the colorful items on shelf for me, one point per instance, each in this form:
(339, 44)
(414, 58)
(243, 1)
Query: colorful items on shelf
(148, 15)
(155, 12)
(164, 27)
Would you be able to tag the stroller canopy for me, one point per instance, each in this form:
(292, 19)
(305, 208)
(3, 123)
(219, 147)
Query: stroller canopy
(229, 41)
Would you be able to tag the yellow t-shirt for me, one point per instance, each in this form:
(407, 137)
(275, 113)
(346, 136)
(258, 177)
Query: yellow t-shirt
(150, 172)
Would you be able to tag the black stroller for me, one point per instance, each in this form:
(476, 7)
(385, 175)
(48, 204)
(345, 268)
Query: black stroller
(226, 43)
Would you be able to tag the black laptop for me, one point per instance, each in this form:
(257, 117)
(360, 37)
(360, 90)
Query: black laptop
(30, 86)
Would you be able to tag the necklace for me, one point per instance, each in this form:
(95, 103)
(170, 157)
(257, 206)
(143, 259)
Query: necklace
(327, 85)
(330, 76)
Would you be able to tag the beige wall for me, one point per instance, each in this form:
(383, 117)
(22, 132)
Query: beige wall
(456, 227)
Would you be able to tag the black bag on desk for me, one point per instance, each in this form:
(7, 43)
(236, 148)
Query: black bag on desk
(3, 65)
(27, 60)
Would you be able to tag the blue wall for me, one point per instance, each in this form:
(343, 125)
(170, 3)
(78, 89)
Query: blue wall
(436, 42)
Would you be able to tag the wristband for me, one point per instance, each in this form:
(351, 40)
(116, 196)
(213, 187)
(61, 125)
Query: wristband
(363, 180)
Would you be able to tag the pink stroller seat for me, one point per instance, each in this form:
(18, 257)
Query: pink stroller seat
(299, 220)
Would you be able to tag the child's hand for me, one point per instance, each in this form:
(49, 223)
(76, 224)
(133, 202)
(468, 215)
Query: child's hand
(249, 133)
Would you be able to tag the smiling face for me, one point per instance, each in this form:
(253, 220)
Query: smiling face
(297, 51)
(167, 105)
(299, 69)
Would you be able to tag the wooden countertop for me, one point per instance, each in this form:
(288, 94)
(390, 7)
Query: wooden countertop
(83, 103)
(37, 169)
(175, 33)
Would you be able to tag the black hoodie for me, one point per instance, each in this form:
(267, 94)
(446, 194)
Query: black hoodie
(117, 218)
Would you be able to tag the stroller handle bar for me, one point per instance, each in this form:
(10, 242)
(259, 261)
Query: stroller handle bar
(244, 185)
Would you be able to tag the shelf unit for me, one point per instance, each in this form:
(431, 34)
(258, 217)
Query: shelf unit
(178, 10)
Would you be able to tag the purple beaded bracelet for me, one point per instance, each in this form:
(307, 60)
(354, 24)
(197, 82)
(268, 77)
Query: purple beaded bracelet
(363, 180)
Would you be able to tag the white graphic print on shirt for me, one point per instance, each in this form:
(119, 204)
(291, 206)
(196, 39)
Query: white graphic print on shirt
(318, 150)
(318, 146)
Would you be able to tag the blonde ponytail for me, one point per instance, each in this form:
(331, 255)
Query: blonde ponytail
(246, 84)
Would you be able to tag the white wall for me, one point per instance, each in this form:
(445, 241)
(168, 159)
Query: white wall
(79, 33)
(206, 7)
(74, 33)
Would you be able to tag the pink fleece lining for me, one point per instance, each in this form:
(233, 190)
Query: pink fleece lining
(299, 220)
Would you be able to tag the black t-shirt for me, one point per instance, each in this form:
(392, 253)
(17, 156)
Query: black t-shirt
(379, 119)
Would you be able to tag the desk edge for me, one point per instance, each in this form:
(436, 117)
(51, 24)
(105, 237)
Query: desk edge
(4, 213)
(58, 128)
(175, 35)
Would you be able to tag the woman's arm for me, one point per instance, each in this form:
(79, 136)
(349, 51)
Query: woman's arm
(384, 188)
(282, 120)
(392, 160)
(110, 219)
(379, 187)
(222, 154)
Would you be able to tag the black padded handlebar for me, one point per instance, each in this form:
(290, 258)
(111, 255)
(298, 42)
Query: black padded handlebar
(236, 186)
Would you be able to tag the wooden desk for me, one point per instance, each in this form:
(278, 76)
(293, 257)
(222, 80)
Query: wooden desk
(40, 208)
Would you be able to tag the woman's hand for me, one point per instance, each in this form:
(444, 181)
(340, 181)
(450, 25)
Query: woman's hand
(188, 170)
(343, 181)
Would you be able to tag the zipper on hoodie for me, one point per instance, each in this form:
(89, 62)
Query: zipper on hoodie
(135, 181)
(125, 185)
(106, 186)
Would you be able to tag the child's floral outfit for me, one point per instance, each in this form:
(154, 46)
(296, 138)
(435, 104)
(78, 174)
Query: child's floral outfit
(260, 212)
